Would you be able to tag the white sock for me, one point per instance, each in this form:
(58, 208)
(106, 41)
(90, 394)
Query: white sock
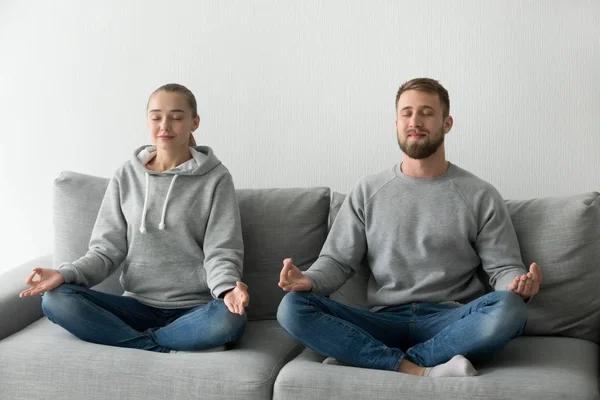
(333, 361)
(457, 366)
(211, 350)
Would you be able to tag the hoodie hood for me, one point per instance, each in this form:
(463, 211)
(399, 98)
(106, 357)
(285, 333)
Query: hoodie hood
(203, 161)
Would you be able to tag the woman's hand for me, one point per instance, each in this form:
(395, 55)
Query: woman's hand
(237, 299)
(47, 279)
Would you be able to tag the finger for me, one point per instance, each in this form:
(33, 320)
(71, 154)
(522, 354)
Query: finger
(517, 285)
(29, 281)
(28, 291)
(287, 266)
(298, 287)
(35, 290)
(513, 285)
(229, 306)
(243, 296)
(536, 271)
(527, 289)
(285, 286)
(522, 282)
(38, 291)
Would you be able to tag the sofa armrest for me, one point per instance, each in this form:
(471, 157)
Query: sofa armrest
(16, 313)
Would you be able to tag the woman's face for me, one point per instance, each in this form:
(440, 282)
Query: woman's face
(170, 121)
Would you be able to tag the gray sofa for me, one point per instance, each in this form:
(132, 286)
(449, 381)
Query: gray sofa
(557, 358)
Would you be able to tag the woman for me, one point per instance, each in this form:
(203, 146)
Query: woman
(170, 216)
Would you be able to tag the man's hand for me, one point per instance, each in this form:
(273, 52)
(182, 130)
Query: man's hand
(291, 279)
(529, 284)
(237, 299)
(47, 279)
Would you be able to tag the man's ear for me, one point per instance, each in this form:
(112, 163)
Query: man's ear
(448, 124)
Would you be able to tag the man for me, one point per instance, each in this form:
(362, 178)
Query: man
(425, 227)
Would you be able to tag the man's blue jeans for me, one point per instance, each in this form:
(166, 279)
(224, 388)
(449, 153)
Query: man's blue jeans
(427, 334)
(125, 322)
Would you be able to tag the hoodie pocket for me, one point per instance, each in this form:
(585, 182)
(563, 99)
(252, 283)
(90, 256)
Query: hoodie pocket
(164, 281)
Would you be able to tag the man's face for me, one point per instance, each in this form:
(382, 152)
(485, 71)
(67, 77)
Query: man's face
(420, 124)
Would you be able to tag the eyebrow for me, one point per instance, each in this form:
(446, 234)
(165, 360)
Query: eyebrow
(174, 110)
(423, 106)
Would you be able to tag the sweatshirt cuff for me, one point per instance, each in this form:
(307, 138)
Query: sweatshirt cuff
(218, 292)
(68, 272)
(316, 288)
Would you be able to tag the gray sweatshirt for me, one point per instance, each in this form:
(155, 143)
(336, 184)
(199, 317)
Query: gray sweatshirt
(424, 239)
(177, 233)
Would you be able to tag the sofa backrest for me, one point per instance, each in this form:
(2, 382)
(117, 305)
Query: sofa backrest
(562, 235)
(276, 223)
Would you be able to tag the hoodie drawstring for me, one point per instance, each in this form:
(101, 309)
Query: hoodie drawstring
(161, 226)
(143, 224)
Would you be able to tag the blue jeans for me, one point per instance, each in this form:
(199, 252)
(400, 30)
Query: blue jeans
(125, 322)
(427, 334)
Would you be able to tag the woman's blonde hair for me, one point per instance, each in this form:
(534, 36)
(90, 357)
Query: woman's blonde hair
(189, 97)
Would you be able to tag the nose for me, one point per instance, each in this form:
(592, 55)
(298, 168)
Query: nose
(164, 126)
(415, 121)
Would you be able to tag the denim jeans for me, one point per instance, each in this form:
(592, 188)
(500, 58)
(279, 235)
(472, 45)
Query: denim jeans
(427, 334)
(125, 322)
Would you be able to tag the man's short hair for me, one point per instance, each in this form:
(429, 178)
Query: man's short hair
(427, 85)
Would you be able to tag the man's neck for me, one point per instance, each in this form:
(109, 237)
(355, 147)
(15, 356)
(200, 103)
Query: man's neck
(429, 167)
(165, 160)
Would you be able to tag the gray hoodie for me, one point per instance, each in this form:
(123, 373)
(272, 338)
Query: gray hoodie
(177, 233)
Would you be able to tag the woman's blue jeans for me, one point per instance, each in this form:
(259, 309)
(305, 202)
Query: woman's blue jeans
(125, 322)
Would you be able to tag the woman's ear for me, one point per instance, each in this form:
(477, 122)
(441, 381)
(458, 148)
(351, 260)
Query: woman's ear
(196, 123)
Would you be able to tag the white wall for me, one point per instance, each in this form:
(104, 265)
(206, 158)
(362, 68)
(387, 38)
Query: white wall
(294, 93)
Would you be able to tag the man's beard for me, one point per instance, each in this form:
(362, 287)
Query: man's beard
(420, 149)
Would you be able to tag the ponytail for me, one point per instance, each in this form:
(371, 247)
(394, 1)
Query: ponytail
(192, 141)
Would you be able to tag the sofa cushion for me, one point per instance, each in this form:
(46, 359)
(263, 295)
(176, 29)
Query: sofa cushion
(545, 368)
(44, 361)
(561, 234)
(276, 223)
(77, 199)
(279, 223)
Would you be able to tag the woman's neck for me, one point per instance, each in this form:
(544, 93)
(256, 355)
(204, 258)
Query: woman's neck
(165, 160)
